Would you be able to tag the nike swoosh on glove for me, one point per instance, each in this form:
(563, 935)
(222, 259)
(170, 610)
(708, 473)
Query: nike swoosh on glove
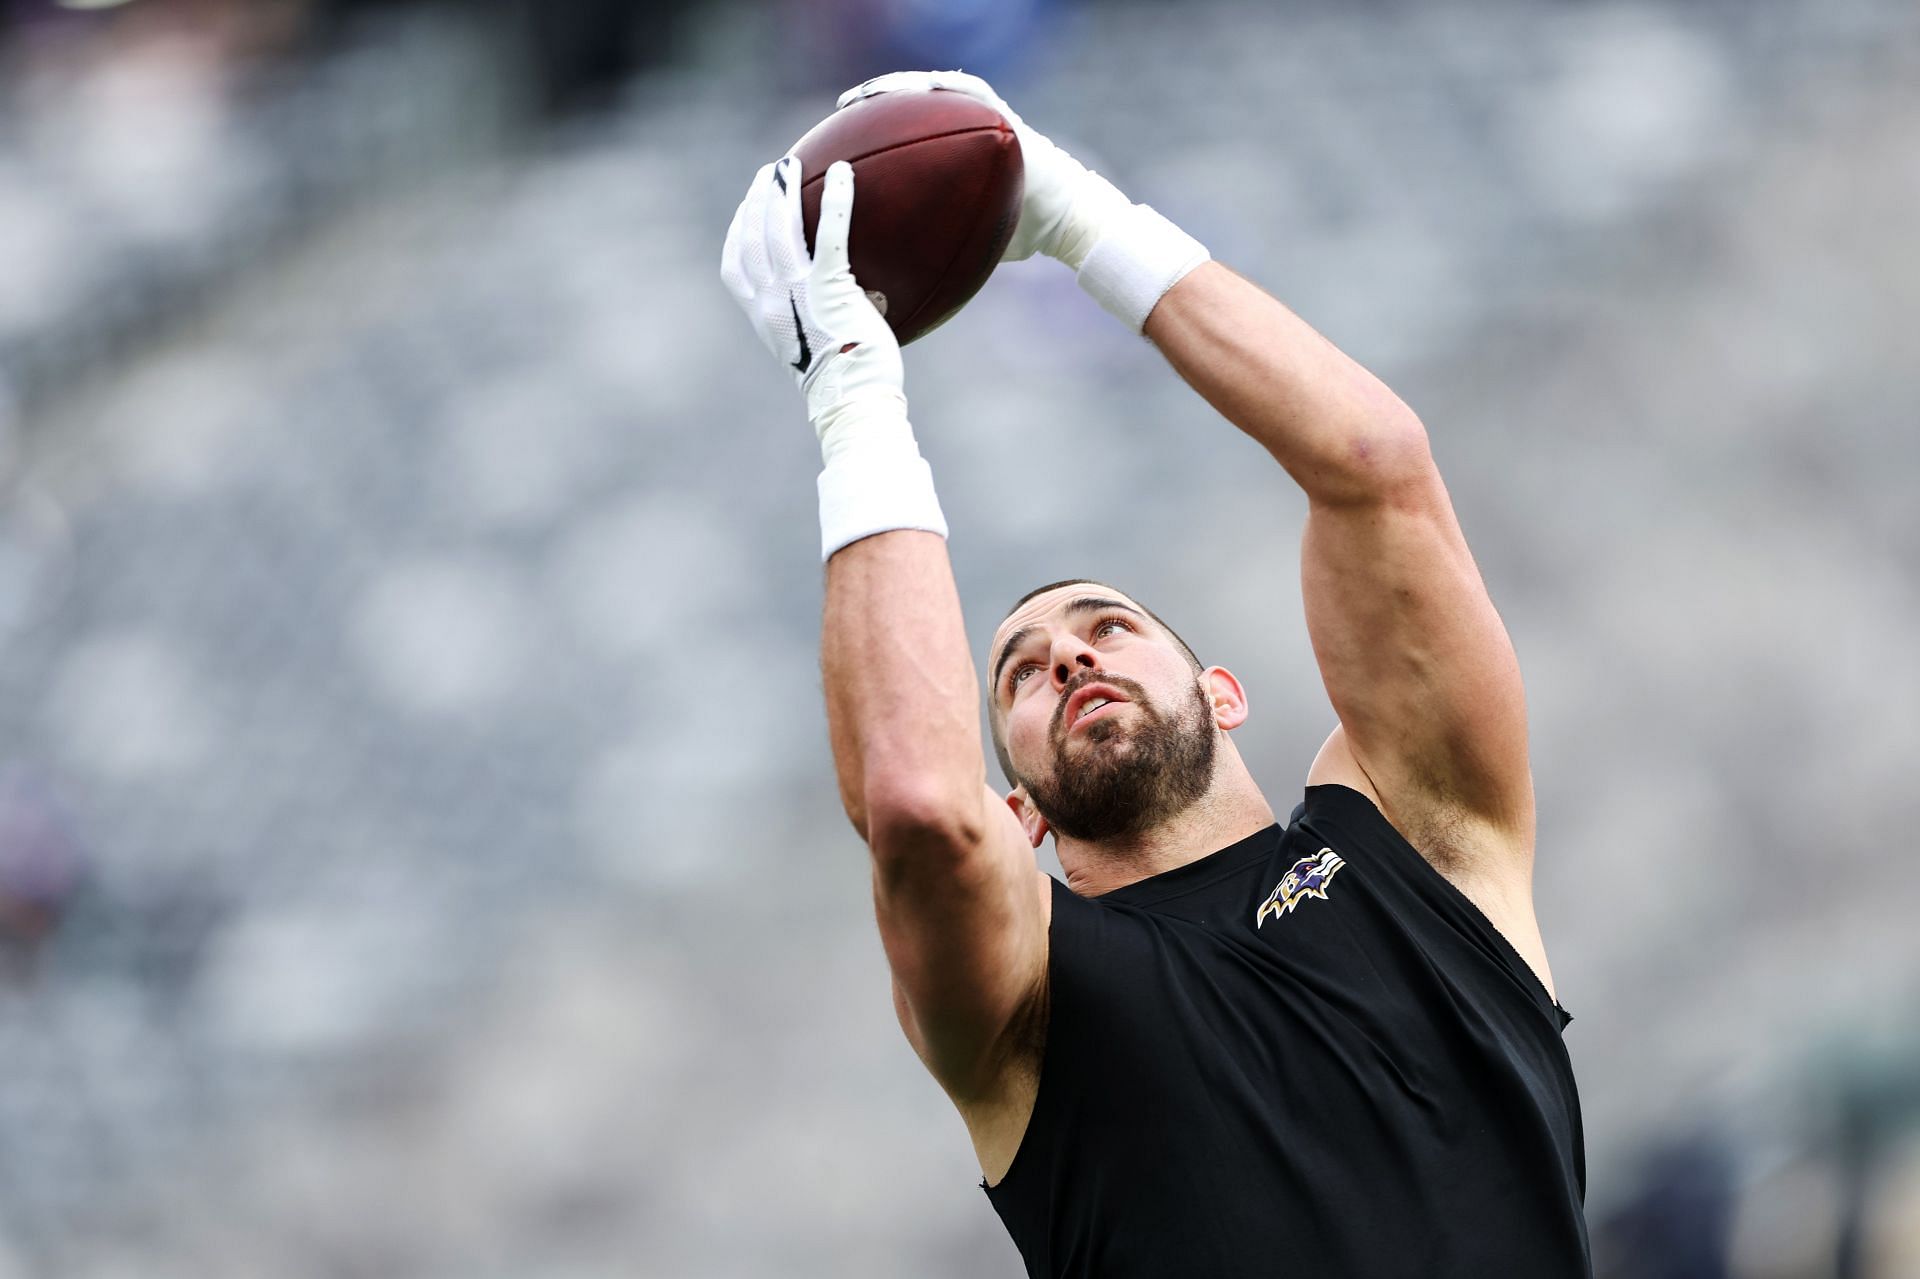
(808, 309)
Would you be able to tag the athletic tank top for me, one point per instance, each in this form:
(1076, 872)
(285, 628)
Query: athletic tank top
(1307, 1054)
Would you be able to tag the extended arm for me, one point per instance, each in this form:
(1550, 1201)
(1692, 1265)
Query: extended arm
(960, 903)
(1416, 661)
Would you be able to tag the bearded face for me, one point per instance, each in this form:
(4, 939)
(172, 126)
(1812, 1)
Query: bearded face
(1128, 771)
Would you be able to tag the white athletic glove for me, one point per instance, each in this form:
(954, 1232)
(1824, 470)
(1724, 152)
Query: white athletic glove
(1125, 255)
(816, 319)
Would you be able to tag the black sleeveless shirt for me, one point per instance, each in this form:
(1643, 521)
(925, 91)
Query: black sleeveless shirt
(1305, 1055)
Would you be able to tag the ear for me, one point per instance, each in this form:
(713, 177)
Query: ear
(1226, 697)
(1030, 819)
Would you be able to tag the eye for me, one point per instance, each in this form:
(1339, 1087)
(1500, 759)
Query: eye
(1101, 628)
(1020, 674)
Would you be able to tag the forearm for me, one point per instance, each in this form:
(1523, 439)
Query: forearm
(1336, 428)
(902, 695)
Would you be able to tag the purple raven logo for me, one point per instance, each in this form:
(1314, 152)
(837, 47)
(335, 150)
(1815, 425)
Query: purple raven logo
(1308, 878)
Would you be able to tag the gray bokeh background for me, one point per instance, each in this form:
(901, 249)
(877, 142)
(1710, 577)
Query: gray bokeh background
(419, 852)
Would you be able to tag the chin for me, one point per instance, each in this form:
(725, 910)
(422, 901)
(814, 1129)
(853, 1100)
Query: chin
(1104, 730)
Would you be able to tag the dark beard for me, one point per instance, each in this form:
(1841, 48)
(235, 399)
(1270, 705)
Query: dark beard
(1108, 790)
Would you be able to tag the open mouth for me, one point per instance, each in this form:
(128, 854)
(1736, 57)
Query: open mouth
(1092, 701)
(1096, 709)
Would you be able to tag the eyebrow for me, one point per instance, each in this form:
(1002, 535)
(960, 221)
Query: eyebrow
(1085, 604)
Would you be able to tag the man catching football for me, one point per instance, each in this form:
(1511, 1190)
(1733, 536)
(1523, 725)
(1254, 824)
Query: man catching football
(1224, 1046)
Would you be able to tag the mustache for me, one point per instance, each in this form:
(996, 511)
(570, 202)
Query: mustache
(1135, 694)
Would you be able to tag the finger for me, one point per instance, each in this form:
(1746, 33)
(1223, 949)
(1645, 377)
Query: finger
(962, 82)
(836, 220)
(733, 255)
(733, 270)
(786, 234)
(891, 82)
(974, 87)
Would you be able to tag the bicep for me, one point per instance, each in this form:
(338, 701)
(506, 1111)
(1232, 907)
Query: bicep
(965, 931)
(1416, 660)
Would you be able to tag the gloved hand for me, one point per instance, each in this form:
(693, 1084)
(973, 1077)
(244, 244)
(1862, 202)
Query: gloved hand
(815, 318)
(1066, 203)
(809, 311)
(1125, 255)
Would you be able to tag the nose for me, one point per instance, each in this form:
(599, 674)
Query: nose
(1071, 655)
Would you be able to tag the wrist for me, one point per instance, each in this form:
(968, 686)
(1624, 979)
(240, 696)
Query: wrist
(873, 479)
(1139, 255)
(872, 423)
(1096, 205)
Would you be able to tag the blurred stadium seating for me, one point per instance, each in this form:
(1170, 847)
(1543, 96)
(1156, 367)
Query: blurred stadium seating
(418, 848)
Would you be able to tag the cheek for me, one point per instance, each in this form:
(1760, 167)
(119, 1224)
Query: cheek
(1027, 729)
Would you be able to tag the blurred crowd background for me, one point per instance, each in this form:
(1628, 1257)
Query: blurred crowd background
(419, 854)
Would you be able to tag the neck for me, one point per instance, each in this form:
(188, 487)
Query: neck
(1232, 809)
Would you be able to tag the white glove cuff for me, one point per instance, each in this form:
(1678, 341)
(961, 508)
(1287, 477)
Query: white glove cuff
(863, 493)
(875, 479)
(1139, 257)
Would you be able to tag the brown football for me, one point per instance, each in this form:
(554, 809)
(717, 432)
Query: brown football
(937, 183)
